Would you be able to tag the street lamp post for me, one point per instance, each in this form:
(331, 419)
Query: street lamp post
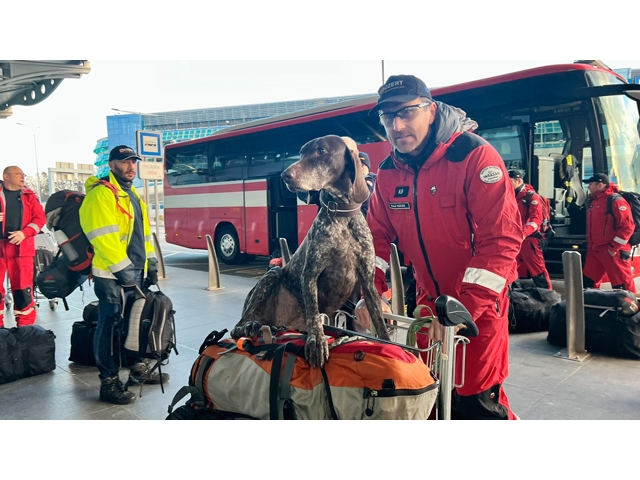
(35, 150)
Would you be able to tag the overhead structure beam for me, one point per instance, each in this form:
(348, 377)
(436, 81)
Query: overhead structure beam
(29, 82)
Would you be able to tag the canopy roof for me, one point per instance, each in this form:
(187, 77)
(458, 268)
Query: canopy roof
(28, 82)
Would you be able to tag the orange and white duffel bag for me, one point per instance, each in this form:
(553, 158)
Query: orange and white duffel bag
(363, 379)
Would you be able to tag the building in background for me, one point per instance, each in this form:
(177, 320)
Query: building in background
(632, 75)
(69, 176)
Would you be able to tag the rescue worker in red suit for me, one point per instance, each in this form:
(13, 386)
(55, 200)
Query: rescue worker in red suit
(530, 260)
(21, 219)
(608, 233)
(452, 212)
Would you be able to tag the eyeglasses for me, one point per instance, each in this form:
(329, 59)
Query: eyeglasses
(405, 114)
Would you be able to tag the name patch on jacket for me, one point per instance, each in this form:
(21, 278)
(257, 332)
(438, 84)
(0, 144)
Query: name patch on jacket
(402, 192)
(399, 206)
(491, 174)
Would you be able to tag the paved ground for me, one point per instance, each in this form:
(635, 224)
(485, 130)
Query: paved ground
(540, 386)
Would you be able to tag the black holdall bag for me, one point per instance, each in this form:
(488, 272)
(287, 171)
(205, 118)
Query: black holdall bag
(622, 301)
(529, 309)
(606, 331)
(26, 352)
(82, 334)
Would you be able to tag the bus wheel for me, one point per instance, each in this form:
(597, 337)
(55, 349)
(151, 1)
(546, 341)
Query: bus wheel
(228, 246)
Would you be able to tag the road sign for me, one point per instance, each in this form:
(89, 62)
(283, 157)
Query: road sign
(151, 170)
(149, 144)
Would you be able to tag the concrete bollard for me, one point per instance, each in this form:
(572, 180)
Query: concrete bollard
(214, 268)
(284, 249)
(162, 274)
(572, 267)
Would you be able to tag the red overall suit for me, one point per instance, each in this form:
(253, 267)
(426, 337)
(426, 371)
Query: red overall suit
(530, 260)
(17, 260)
(609, 231)
(457, 222)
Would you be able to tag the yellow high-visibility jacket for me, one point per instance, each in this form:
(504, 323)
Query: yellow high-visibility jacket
(108, 224)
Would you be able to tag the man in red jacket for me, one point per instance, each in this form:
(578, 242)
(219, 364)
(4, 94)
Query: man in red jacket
(530, 260)
(444, 196)
(609, 227)
(21, 219)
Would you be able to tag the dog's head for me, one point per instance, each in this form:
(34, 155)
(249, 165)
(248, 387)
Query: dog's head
(329, 163)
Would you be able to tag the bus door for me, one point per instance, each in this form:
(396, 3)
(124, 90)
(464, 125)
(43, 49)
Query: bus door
(562, 156)
(283, 218)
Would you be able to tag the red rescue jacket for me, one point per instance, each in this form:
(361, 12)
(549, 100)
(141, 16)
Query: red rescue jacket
(608, 230)
(33, 219)
(456, 222)
(530, 210)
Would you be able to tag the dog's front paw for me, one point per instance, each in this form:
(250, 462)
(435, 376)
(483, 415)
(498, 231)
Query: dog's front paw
(317, 349)
(249, 329)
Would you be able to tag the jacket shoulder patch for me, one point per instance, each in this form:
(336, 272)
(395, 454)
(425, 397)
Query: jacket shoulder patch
(491, 174)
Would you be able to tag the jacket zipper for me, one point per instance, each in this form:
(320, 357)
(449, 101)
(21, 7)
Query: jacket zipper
(420, 239)
(403, 392)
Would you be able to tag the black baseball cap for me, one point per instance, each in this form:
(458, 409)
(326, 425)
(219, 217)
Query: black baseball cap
(515, 173)
(401, 89)
(597, 177)
(122, 152)
(364, 158)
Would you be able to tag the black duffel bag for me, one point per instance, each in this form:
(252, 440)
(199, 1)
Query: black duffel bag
(26, 352)
(606, 331)
(529, 309)
(82, 334)
(623, 301)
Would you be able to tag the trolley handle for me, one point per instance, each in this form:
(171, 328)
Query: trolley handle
(452, 313)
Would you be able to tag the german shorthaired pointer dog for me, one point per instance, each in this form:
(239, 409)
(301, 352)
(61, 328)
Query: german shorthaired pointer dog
(337, 252)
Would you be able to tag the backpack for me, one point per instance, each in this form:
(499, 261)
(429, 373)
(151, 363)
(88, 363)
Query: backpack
(633, 199)
(546, 228)
(151, 331)
(57, 280)
(63, 218)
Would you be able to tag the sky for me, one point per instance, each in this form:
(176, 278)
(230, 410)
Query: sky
(228, 56)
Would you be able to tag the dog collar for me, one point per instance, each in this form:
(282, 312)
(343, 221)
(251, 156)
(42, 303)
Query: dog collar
(335, 209)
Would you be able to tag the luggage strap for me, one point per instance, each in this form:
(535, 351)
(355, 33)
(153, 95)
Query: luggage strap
(197, 392)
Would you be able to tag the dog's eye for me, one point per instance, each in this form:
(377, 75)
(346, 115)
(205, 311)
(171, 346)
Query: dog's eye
(322, 150)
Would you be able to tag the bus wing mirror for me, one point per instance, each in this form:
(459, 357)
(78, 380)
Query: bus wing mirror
(634, 94)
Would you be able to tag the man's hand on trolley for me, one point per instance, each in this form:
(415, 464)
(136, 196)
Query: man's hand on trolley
(362, 314)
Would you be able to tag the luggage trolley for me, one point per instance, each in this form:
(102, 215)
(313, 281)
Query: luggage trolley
(46, 251)
(439, 356)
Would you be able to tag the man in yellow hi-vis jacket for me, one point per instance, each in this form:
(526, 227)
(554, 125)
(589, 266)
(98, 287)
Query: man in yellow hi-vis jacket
(114, 218)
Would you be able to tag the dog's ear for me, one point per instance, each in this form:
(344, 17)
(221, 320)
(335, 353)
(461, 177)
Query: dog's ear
(354, 167)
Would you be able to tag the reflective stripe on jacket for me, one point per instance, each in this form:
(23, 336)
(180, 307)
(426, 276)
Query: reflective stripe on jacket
(109, 225)
(33, 219)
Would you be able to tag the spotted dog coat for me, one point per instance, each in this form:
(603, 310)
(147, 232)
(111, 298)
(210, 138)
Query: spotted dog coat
(336, 253)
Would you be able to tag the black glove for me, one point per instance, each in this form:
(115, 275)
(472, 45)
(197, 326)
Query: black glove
(152, 277)
(152, 272)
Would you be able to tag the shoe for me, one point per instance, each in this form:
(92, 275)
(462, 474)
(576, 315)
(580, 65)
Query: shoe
(141, 373)
(113, 391)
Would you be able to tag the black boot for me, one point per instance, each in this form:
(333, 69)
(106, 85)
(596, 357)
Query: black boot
(541, 282)
(142, 373)
(113, 391)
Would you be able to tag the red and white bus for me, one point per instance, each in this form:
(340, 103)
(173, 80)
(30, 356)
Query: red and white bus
(558, 123)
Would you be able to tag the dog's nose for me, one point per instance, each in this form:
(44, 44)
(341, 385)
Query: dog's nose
(287, 176)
